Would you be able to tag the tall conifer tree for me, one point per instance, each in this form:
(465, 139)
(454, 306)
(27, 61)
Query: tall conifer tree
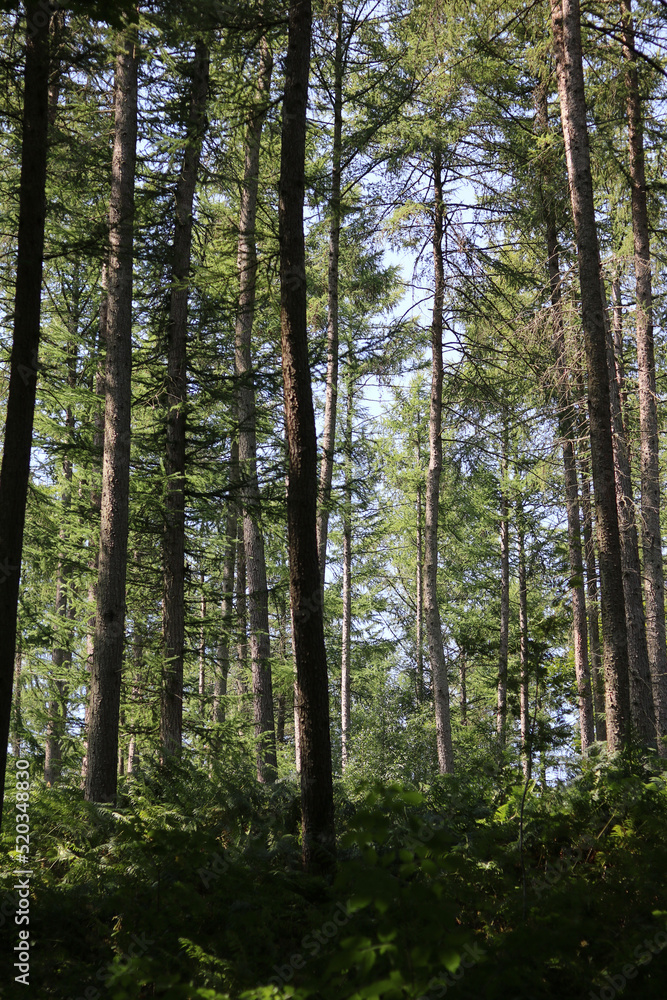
(106, 670)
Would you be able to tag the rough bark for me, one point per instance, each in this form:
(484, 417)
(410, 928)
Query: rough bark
(16, 719)
(523, 647)
(95, 493)
(642, 714)
(62, 656)
(137, 698)
(419, 571)
(15, 471)
(463, 679)
(297, 731)
(436, 651)
(317, 808)
(597, 674)
(241, 616)
(501, 712)
(227, 603)
(283, 638)
(566, 25)
(202, 650)
(280, 719)
(346, 638)
(567, 430)
(331, 395)
(258, 594)
(281, 613)
(419, 582)
(654, 583)
(176, 390)
(105, 680)
(617, 338)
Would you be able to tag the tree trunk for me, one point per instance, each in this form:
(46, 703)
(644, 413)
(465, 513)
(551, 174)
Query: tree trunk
(501, 715)
(280, 720)
(642, 714)
(347, 585)
(171, 714)
(592, 589)
(317, 808)
(331, 397)
(101, 777)
(297, 731)
(62, 655)
(579, 619)
(523, 646)
(567, 430)
(431, 608)
(617, 339)
(566, 24)
(138, 684)
(419, 638)
(241, 617)
(16, 720)
(23, 362)
(60, 660)
(95, 492)
(654, 584)
(227, 604)
(258, 594)
(281, 614)
(463, 678)
(202, 650)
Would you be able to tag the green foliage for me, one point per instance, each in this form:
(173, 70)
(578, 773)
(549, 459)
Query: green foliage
(191, 888)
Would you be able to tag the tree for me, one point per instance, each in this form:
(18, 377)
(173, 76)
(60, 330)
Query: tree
(15, 471)
(432, 503)
(566, 26)
(654, 584)
(176, 401)
(592, 591)
(567, 428)
(317, 809)
(524, 698)
(105, 676)
(330, 407)
(642, 715)
(62, 655)
(501, 713)
(227, 586)
(346, 638)
(258, 594)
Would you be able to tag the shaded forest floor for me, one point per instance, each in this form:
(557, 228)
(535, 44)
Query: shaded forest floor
(192, 888)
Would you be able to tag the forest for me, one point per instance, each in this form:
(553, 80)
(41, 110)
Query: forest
(333, 658)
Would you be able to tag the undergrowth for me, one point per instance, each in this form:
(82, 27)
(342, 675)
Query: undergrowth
(191, 888)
